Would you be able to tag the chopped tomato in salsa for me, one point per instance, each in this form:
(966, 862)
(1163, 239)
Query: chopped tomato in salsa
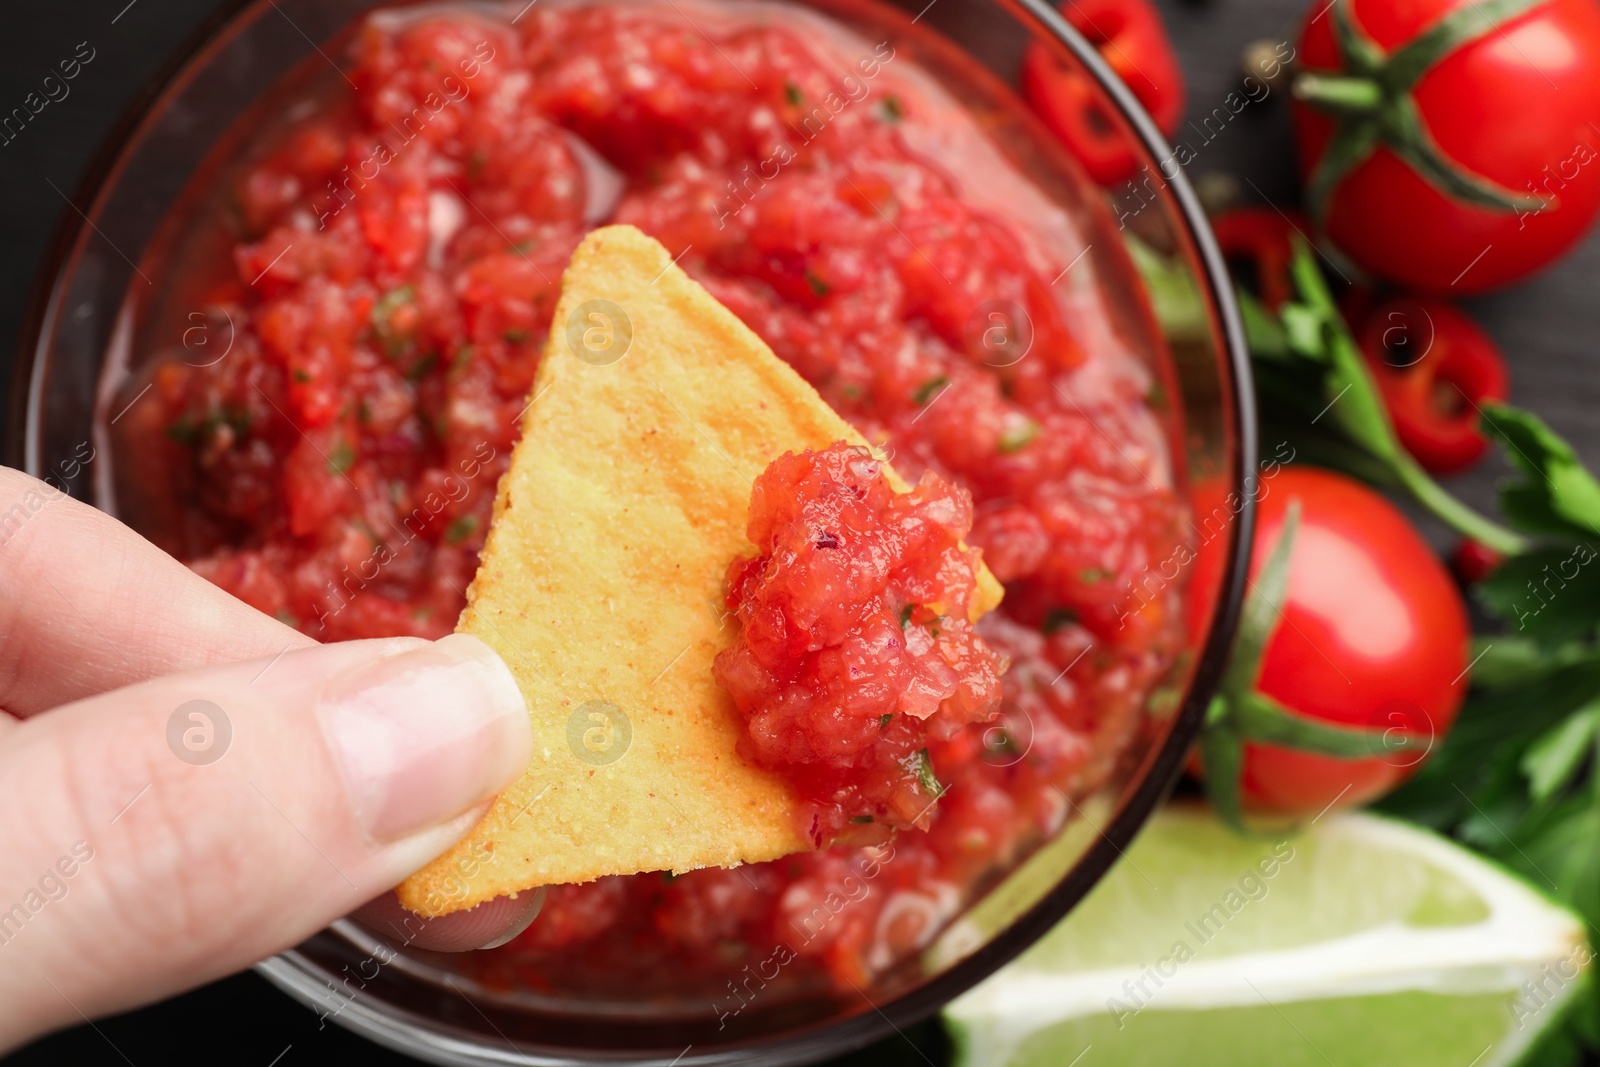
(386, 261)
(855, 645)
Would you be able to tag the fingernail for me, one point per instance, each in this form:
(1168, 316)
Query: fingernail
(423, 736)
(524, 919)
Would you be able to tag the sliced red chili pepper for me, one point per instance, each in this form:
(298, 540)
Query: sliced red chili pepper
(1258, 243)
(1357, 302)
(1132, 40)
(1473, 561)
(1074, 109)
(1435, 368)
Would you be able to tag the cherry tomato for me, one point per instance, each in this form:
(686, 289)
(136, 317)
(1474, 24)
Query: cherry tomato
(1435, 369)
(1261, 240)
(1132, 40)
(1373, 634)
(1456, 160)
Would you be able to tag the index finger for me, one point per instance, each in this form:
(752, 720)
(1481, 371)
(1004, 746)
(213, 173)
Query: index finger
(92, 606)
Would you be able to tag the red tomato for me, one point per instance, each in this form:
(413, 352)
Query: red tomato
(1373, 635)
(1511, 107)
(1435, 369)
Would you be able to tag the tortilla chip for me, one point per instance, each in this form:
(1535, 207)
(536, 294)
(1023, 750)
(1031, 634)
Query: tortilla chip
(601, 585)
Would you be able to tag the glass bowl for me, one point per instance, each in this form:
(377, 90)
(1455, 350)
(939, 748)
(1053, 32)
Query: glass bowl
(1176, 300)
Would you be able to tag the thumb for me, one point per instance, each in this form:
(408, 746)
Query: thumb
(178, 830)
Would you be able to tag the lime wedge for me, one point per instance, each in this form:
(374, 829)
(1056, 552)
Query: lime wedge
(1362, 941)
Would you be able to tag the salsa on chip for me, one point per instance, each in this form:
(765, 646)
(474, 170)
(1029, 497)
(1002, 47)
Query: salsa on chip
(602, 584)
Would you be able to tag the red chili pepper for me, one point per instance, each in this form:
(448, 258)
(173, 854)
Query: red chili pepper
(1435, 368)
(1262, 239)
(1073, 109)
(1132, 40)
(1472, 561)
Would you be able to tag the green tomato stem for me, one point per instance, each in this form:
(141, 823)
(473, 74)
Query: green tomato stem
(1257, 717)
(1333, 92)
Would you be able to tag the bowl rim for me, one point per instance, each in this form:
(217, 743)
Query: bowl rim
(296, 975)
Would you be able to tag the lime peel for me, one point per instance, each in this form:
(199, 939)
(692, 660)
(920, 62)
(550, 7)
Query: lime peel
(1524, 954)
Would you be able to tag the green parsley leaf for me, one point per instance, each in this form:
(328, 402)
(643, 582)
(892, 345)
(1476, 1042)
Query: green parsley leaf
(885, 720)
(183, 430)
(1502, 662)
(817, 285)
(792, 93)
(1553, 760)
(342, 458)
(1163, 701)
(383, 312)
(1266, 337)
(461, 529)
(1056, 618)
(860, 820)
(1178, 305)
(1019, 435)
(1550, 594)
(998, 741)
(905, 615)
(925, 777)
(928, 389)
(1497, 724)
(419, 370)
(1302, 332)
(890, 109)
(1558, 497)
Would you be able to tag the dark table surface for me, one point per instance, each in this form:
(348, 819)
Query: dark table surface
(1546, 327)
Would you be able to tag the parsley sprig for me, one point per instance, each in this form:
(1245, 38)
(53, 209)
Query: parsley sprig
(1317, 392)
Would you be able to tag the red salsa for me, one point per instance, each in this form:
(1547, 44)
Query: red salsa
(383, 262)
(855, 648)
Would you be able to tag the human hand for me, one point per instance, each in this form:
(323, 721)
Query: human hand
(190, 786)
